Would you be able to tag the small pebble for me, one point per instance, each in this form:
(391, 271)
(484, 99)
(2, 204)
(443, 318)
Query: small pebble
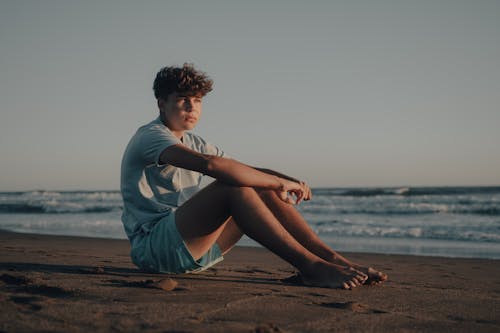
(166, 284)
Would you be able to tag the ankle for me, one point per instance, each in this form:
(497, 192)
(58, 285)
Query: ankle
(313, 268)
(335, 257)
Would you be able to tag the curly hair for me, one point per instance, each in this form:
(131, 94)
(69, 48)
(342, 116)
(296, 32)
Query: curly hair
(185, 80)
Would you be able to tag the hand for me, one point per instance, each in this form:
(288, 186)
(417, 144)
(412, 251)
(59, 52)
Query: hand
(295, 189)
(307, 191)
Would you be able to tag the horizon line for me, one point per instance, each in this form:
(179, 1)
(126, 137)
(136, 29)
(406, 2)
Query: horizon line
(312, 187)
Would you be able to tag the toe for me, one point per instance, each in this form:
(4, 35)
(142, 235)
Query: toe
(379, 276)
(362, 278)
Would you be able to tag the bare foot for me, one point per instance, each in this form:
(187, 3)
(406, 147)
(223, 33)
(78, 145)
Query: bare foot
(374, 276)
(333, 276)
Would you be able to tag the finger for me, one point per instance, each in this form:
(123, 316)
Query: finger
(289, 200)
(300, 196)
(284, 196)
(307, 192)
(307, 195)
(286, 200)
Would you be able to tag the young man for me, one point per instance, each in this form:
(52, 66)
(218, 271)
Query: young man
(176, 227)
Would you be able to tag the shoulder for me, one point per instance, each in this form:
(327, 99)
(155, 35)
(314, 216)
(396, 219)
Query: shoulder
(155, 130)
(153, 126)
(201, 145)
(195, 139)
(196, 142)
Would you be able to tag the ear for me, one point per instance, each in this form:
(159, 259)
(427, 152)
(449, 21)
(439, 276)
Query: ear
(160, 102)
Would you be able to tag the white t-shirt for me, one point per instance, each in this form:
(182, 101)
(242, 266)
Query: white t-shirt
(149, 189)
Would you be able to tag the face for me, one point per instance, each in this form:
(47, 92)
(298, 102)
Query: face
(180, 112)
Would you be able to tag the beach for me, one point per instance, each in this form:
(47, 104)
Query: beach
(78, 284)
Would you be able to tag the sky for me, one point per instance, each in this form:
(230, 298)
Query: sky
(336, 93)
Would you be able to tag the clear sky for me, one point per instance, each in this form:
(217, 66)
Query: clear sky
(338, 93)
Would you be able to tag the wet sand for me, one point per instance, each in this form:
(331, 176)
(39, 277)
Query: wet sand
(73, 284)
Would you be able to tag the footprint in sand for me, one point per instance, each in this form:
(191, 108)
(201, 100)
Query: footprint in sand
(27, 301)
(15, 280)
(251, 270)
(27, 285)
(352, 306)
(163, 284)
(92, 270)
(268, 328)
(54, 292)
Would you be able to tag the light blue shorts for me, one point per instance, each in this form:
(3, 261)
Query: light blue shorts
(163, 250)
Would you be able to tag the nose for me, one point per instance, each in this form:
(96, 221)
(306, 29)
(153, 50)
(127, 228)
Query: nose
(188, 105)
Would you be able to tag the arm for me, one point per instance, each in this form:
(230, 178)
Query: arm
(276, 173)
(229, 171)
(306, 189)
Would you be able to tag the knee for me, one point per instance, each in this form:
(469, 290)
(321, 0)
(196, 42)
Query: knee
(233, 191)
(242, 192)
(266, 194)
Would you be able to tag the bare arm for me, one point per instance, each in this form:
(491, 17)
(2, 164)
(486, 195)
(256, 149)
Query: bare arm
(230, 171)
(276, 173)
(306, 189)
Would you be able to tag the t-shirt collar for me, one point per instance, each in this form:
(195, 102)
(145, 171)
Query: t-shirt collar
(158, 120)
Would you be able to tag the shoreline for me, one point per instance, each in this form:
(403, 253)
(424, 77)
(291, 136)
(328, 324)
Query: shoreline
(361, 242)
(70, 283)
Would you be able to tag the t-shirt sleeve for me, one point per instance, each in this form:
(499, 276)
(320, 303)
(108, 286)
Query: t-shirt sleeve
(211, 149)
(201, 145)
(154, 141)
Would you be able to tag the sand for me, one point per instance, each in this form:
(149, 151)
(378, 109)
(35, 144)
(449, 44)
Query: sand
(73, 284)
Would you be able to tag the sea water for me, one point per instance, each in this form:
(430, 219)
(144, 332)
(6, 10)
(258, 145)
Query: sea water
(439, 221)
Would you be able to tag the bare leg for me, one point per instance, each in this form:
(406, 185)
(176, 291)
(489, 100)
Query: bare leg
(202, 220)
(293, 221)
(229, 236)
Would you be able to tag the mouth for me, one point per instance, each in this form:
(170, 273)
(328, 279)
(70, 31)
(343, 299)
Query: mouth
(191, 119)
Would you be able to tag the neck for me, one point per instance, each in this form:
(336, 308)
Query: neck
(178, 134)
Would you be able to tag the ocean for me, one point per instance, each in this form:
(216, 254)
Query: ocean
(432, 221)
